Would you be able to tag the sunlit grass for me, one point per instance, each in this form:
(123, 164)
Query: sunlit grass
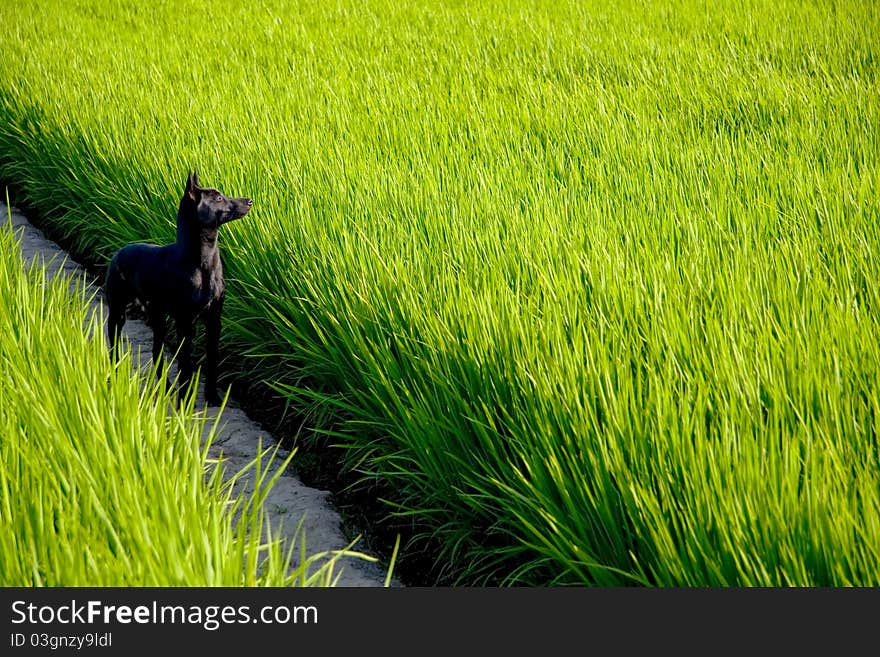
(593, 286)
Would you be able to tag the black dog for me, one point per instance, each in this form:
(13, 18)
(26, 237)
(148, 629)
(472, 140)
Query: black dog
(183, 279)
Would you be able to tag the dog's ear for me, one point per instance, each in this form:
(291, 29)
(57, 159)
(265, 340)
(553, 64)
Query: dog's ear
(192, 186)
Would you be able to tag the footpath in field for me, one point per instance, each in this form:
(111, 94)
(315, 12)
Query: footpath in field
(237, 439)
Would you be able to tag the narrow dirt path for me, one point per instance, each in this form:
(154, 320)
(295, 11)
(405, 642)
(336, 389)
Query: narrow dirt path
(238, 437)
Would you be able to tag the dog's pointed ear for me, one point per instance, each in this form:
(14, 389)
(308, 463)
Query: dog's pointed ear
(192, 186)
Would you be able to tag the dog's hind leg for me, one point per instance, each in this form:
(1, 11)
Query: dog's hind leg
(116, 293)
(185, 329)
(156, 320)
(115, 322)
(212, 351)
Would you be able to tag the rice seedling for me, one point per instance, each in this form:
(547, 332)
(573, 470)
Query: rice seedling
(592, 287)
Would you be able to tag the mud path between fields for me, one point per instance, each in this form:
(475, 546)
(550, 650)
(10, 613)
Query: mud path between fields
(238, 436)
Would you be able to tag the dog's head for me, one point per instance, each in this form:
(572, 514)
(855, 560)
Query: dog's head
(211, 207)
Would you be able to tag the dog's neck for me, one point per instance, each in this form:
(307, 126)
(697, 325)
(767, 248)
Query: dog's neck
(197, 244)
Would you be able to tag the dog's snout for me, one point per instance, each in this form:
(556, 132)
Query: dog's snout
(244, 206)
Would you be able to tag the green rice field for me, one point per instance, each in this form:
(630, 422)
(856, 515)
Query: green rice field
(591, 288)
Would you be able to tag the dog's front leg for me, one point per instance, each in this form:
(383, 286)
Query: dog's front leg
(212, 351)
(185, 328)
